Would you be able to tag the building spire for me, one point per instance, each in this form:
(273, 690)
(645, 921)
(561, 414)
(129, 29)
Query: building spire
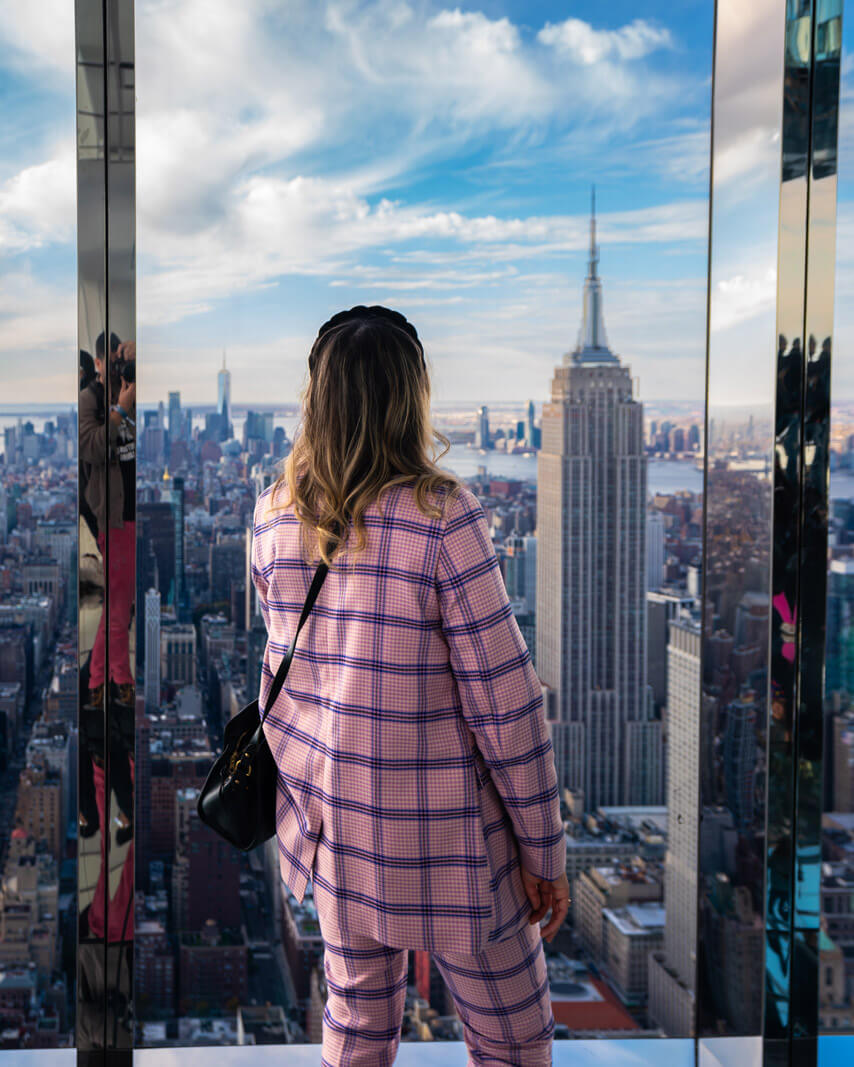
(592, 344)
(223, 359)
(594, 251)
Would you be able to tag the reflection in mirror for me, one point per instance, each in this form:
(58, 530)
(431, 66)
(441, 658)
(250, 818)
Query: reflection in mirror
(740, 450)
(785, 555)
(121, 538)
(107, 441)
(440, 162)
(821, 244)
(836, 931)
(730, 1052)
(38, 537)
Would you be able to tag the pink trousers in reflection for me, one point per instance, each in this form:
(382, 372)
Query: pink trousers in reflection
(120, 906)
(120, 583)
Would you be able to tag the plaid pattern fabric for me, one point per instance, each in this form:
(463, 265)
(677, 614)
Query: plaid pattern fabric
(502, 997)
(409, 733)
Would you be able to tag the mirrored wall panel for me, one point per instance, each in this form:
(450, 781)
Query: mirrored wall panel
(814, 529)
(40, 375)
(529, 186)
(836, 932)
(734, 746)
(107, 434)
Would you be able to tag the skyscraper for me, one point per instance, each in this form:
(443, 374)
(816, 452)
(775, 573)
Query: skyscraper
(223, 399)
(152, 649)
(654, 550)
(173, 492)
(672, 972)
(739, 758)
(530, 429)
(482, 438)
(176, 421)
(591, 554)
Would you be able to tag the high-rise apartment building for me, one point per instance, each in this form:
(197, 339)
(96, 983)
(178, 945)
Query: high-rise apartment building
(662, 607)
(843, 761)
(173, 493)
(39, 809)
(839, 666)
(206, 871)
(672, 972)
(158, 542)
(591, 573)
(178, 654)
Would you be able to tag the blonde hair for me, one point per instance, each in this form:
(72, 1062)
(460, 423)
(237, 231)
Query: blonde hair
(365, 427)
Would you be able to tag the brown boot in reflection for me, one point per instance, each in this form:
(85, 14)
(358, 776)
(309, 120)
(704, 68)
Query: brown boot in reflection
(96, 698)
(126, 694)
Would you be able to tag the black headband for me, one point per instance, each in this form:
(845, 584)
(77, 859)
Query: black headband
(360, 313)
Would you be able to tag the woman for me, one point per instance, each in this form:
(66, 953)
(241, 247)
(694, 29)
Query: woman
(417, 783)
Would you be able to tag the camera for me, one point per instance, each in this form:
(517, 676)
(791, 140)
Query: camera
(125, 368)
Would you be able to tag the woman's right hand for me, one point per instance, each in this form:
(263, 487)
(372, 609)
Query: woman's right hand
(544, 895)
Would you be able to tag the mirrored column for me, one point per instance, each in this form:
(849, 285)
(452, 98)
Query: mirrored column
(105, 161)
(785, 567)
(818, 330)
(836, 872)
(747, 113)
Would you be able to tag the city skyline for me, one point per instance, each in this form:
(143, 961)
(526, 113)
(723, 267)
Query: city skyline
(639, 575)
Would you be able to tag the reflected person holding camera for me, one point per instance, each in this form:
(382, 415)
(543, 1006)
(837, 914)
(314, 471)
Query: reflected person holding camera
(116, 431)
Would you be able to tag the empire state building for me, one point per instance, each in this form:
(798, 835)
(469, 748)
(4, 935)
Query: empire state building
(591, 591)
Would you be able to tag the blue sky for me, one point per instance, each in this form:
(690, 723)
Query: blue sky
(296, 159)
(434, 158)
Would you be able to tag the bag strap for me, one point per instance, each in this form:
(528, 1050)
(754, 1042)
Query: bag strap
(284, 666)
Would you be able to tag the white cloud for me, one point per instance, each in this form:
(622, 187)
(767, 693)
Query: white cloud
(40, 35)
(582, 42)
(476, 33)
(748, 156)
(314, 226)
(453, 66)
(742, 296)
(37, 318)
(275, 140)
(38, 204)
(392, 88)
(292, 123)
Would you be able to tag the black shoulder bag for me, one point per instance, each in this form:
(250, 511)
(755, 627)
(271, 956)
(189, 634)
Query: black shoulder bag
(238, 799)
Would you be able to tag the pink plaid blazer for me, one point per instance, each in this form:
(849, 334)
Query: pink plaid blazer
(415, 768)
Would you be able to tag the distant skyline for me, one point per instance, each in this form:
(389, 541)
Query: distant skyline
(273, 195)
